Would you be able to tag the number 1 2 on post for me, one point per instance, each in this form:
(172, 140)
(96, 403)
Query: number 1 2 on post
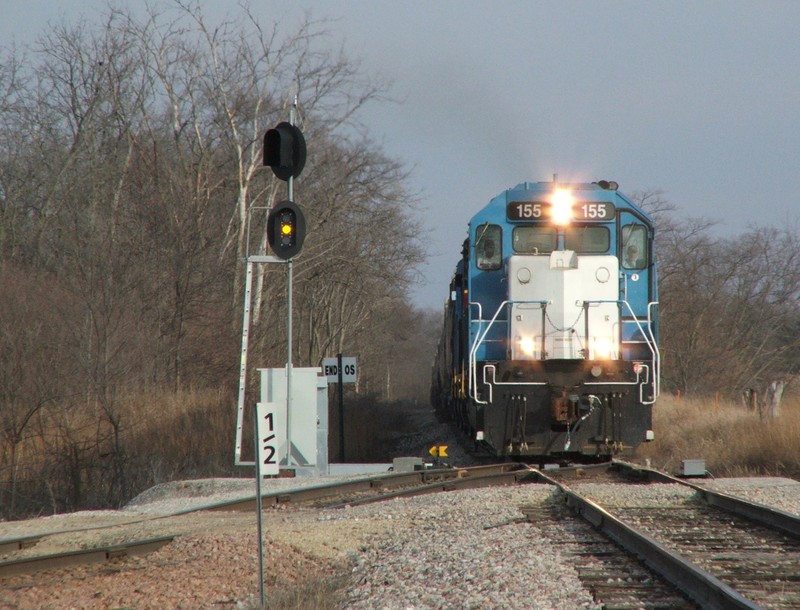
(267, 440)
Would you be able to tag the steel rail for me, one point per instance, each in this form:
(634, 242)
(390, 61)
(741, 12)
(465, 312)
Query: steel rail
(420, 481)
(9, 545)
(298, 495)
(702, 587)
(765, 515)
(496, 479)
(27, 565)
(387, 481)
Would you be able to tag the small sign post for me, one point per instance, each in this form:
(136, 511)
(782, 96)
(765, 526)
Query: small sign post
(340, 370)
(260, 517)
(438, 452)
(268, 441)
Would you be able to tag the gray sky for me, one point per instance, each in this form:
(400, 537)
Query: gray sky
(698, 99)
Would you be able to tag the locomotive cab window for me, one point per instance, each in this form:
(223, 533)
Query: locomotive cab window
(634, 246)
(587, 240)
(534, 240)
(489, 247)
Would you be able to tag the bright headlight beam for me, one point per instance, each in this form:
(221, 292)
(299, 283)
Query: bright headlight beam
(527, 345)
(603, 348)
(561, 210)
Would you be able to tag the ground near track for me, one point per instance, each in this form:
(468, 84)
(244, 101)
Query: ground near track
(466, 549)
(213, 563)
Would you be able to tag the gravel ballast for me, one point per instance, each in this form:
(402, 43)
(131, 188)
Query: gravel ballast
(466, 550)
(459, 549)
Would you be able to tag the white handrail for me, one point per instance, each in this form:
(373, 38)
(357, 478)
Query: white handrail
(478, 340)
(647, 334)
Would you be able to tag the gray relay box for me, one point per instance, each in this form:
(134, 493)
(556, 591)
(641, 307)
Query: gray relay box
(408, 464)
(693, 468)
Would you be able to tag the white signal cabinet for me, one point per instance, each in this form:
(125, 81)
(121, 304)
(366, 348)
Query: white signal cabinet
(307, 422)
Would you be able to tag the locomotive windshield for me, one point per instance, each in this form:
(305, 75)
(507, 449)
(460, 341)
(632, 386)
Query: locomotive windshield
(534, 240)
(543, 240)
(587, 240)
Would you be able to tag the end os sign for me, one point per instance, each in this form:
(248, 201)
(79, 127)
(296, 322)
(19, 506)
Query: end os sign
(330, 368)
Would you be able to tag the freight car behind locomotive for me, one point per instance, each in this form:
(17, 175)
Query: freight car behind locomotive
(550, 339)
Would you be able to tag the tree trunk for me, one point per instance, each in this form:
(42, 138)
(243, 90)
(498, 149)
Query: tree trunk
(773, 398)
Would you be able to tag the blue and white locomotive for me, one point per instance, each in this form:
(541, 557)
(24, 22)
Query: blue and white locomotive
(550, 341)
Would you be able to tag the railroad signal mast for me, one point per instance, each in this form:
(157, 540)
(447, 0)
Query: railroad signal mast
(285, 153)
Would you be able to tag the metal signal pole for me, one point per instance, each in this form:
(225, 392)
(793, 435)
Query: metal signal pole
(290, 187)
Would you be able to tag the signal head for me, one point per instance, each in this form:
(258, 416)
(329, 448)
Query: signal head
(286, 230)
(285, 150)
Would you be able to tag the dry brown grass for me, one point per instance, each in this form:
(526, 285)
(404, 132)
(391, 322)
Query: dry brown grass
(733, 440)
(69, 458)
(72, 460)
(189, 433)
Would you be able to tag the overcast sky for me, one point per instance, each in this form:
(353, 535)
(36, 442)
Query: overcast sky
(698, 99)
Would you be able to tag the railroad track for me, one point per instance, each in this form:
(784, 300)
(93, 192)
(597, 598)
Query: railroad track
(388, 486)
(19, 555)
(677, 557)
(721, 551)
(52, 561)
(615, 578)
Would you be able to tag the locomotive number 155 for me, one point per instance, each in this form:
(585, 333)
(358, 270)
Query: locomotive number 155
(540, 210)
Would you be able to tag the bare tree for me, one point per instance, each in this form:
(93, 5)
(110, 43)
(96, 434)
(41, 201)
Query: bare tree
(130, 164)
(727, 308)
(31, 372)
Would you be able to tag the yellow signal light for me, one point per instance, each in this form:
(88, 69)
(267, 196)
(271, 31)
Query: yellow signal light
(286, 229)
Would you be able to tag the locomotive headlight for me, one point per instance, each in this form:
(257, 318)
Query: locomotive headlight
(524, 347)
(561, 207)
(527, 345)
(602, 348)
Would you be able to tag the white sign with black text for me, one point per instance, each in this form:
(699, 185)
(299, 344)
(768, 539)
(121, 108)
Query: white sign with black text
(268, 441)
(330, 368)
